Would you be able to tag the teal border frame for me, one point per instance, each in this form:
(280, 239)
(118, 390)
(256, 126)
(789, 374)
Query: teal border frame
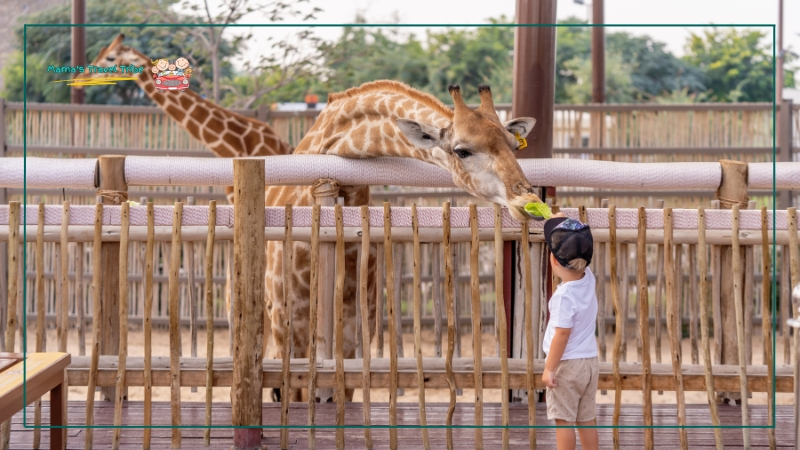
(773, 292)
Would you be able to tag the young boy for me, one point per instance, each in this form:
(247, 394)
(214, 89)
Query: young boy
(571, 368)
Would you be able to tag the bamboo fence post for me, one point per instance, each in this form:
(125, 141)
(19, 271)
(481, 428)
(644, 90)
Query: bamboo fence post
(612, 228)
(209, 291)
(738, 300)
(123, 322)
(501, 314)
(97, 325)
(249, 258)
(749, 295)
(62, 305)
(389, 264)
(113, 190)
(13, 280)
(766, 319)
(423, 421)
(436, 262)
(79, 298)
(600, 265)
(312, 314)
(657, 305)
(477, 331)
(644, 327)
(379, 299)
(528, 281)
(692, 304)
(702, 264)
(365, 338)
(449, 308)
(716, 294)
(174, 324)
(288, 333)
(40, 302)
(338, 320)
(625, 299)
(148, 323)
(188, 257)
(673, 325)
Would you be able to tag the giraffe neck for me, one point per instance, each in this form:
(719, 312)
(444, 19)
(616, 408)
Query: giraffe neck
(360, 123)
(222, 131)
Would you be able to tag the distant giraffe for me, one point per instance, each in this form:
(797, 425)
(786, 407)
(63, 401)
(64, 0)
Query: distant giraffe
(387, 118)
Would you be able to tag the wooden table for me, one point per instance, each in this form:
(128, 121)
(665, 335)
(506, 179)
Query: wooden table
(43, 372)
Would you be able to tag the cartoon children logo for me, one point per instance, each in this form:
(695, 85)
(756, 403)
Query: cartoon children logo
(171, 75)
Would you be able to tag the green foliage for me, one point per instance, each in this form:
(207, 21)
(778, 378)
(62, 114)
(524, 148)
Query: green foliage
(51, 46)
(737, 64)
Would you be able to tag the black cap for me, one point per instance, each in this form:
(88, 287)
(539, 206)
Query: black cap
(569, 239)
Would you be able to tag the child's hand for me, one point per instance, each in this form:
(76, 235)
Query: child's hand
(549, 378)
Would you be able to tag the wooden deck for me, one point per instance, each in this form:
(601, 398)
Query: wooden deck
(194, 413)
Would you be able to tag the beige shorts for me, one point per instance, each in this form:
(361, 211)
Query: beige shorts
(573, 399)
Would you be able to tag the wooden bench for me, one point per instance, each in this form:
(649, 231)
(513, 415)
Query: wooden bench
(43, 372)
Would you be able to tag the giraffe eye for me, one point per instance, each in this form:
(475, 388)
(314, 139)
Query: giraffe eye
(461, 153)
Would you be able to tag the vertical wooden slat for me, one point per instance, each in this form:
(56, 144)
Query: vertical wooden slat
(312, 313)
(449, 308)
(209, 291)
(97, 310)
(379, 300)
(338, 321)
(389, 264)
(716, 294)
(766, 319)
(287, 266)
(148, 323)
(673, 324)
(624, 299)
(600, 266)
(123, 323)
(436, 262)
(659, 289)
(702, 264)
(365, 330)
(174, 325)
(79, 298)
(692, 303)
(477, 331)
(644, 327)
(423, 421)
(527, 276)
(738, 300)
(612, 230)
(63, 302)
(188, 257)
(37, 420)
(501, 314)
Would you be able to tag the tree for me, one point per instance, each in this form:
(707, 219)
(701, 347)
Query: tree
(736, 63)
(51, 46)
(210, 40)
(619, 82)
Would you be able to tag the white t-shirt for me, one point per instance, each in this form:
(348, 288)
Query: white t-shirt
(574, 305)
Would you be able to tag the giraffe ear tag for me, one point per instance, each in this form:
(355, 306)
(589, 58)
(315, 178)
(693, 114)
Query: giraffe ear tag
(522, 143)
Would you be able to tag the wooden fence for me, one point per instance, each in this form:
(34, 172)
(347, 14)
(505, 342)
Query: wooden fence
(660, 301)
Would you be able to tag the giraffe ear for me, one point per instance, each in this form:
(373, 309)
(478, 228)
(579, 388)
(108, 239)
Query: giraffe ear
(521, 125)
(421, 134)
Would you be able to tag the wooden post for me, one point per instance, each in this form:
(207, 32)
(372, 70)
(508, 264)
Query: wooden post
(114, 190)
(78, 44)
(732, 190)
(644, 327)
(248, 262)
(3, 246)
(325, 194)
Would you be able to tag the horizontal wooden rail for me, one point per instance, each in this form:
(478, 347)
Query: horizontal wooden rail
(193, 370)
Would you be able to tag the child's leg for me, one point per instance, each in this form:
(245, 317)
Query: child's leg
(565, 437)
(588, 435)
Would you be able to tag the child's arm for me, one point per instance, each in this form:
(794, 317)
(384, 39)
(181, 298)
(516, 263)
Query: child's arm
(557, 346)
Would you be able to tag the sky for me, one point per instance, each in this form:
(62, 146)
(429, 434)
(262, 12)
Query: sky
(700, 12)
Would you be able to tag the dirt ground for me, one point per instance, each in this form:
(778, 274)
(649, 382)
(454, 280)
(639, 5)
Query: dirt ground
(160, 343)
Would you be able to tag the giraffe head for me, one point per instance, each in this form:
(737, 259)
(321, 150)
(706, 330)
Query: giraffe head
(119, 55)
(479, 152)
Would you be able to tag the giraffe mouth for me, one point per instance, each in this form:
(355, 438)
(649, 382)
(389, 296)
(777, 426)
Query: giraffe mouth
(517, 207)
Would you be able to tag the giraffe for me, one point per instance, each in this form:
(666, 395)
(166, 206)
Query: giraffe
(224, 132)
(388, 118)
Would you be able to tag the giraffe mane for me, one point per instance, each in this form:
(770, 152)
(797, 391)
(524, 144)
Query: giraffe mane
(398, 87)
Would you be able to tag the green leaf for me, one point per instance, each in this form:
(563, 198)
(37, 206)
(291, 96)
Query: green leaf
(539, 209)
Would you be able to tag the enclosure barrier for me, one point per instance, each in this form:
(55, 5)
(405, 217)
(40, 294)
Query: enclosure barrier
(611, 226)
